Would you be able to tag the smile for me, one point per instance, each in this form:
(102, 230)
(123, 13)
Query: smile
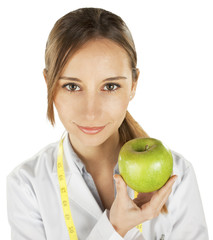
(92, 130)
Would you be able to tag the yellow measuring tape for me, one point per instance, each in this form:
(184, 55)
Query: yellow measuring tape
(64, 195)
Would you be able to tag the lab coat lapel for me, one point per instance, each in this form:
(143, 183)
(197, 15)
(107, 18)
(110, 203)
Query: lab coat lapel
(80, 194)
(78, 190)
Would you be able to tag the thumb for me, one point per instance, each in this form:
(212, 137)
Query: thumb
(121, 186)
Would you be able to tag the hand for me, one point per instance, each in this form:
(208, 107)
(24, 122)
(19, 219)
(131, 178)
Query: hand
(126, 213)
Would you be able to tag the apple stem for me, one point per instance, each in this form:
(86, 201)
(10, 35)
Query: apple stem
(146, 147)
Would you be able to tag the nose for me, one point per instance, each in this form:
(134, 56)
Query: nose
(92, 107)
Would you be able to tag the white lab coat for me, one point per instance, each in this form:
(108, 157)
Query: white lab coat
(35, 210)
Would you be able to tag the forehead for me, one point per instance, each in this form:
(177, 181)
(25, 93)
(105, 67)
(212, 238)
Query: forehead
(99, 53)
(102, 44)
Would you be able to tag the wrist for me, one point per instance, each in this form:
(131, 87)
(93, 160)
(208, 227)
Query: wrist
(120, 231)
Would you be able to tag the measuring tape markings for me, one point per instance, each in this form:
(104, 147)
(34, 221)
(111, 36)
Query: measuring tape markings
(64, 194)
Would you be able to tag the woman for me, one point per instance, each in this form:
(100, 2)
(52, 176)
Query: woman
(67, 190)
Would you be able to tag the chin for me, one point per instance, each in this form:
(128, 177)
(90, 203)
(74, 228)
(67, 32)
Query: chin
(90, 143)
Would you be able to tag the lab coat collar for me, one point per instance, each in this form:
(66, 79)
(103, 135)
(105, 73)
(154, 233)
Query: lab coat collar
(78, 190)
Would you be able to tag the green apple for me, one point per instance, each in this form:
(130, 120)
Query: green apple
(145, 164)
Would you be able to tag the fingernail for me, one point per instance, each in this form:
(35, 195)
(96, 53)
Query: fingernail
(175, 178)
(115, 178)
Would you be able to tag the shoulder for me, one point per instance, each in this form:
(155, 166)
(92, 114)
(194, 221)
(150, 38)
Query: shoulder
(186, 184)
(180, 164)
(184, 169)
(40, 163)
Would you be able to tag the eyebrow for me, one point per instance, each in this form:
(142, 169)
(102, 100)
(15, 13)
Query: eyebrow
(107, 79)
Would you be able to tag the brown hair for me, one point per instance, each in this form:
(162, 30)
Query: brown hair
(69, 34)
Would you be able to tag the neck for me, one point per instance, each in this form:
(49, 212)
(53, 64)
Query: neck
(103, 156)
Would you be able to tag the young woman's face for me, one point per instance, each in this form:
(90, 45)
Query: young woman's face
(94, 90)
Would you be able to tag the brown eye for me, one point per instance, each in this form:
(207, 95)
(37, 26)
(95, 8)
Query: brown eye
(71, 87)
(111, 87)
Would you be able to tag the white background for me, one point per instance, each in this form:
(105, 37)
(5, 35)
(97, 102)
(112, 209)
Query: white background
(173, 102)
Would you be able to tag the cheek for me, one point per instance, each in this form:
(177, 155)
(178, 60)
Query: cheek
(117, 108)
(63, 107)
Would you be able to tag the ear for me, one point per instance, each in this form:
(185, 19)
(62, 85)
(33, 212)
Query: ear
(45, 74)
(134, 84)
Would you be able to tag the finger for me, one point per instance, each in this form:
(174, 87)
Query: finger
(168, 185)
(162, 195)
(121, 187)
(152, 208)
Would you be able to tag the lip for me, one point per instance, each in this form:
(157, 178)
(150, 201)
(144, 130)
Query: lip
(91, 130)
